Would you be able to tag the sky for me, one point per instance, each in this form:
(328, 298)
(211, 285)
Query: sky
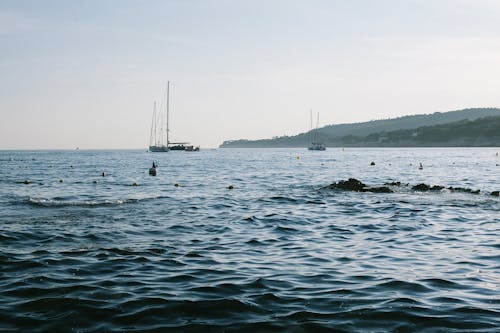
(86, 73)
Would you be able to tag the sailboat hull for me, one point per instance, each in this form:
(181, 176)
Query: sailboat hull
(177, 147)
(158, 149)
(317, 148)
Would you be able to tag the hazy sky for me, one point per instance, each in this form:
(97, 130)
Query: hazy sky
(85, 73)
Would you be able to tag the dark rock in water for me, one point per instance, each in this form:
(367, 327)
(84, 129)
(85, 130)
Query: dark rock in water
(372, 163)
(382, 189)
(463, 190)
(424, 187)
(421, 187)
(351, 184)
(495, 193)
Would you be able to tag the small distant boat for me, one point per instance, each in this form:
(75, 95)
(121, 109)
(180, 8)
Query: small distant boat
(159, 138)
(157, 141)
(317, 146)
(315, 143)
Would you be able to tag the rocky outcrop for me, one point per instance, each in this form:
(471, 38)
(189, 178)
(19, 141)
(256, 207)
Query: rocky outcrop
(464, 190)
(424, 187)
(355, 185)
(396, 184)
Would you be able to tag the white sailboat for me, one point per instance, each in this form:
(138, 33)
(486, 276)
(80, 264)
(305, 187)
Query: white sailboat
(315, 143)
(159, 136)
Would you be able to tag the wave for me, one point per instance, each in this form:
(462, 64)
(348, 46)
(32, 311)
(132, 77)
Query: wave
(70, 203)
(63, 202)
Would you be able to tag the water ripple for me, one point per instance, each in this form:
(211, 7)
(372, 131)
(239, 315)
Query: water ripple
(273, 254)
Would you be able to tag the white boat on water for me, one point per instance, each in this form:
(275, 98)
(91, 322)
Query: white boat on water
(159, 138)
(316, 144)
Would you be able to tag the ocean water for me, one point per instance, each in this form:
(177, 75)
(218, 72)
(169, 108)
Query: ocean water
(274, 254)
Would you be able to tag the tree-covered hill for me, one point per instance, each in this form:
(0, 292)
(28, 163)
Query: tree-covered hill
(463, 133)
(355, 134)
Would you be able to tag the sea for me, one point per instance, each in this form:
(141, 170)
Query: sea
(249, 240)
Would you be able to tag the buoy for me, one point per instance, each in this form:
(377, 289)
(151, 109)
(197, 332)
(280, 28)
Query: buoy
(176, 185)
(230, 187)
(152, 170)
(95, 182)
(60, 180)
(420, 167)
(298, 157)
(372, 163)
(103, 174)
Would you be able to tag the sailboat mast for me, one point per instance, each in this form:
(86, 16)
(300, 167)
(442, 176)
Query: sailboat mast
(316, 131)
(156, 122)
(151, 137)
(311, 127)
(311, 124)
(162, 126)
(168, 109)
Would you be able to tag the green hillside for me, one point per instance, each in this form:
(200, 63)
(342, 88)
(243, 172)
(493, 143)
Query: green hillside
(355, 134)
(478, 132)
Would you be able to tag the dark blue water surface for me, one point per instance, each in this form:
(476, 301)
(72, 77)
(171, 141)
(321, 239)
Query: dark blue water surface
(276, 253)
